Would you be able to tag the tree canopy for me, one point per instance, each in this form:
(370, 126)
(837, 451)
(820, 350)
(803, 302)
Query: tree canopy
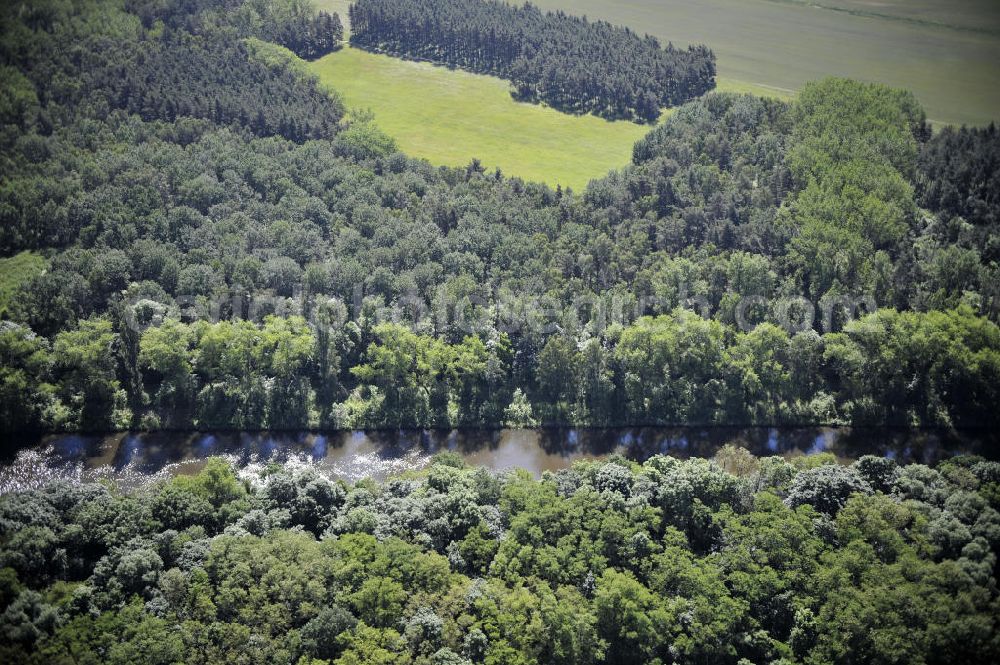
(228, 250)
(800, 561)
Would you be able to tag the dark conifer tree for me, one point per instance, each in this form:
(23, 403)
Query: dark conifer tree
(570, 63)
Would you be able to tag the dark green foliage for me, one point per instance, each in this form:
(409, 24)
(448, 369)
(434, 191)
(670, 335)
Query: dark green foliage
(294, 24)
(163, 73)
(319, 634)
(826, 488)
(168, 167)
(570, 63)
(879, 472)
(710, 281)
(959, 173)
(606, 562)
(178, 75)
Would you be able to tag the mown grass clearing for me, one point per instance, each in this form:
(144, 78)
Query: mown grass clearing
(450, 116)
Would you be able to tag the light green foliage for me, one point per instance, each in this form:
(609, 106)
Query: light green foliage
(419, 378)
(248, 179)
(371, 646)
(85, 367)
(214, 374)
(854, 146)
(631, 618)
(519, 413)
(14, 272)
(910, 358)
(663, 384)
(365, 140)
(277, 56)
(668, 369)
(285, 346)
(23, 402)
(837, 120)
(410, 371)
(166, 352)
(216, 483)
(764, 358)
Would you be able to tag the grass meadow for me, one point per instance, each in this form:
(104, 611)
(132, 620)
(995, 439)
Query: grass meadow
(450, 116)
(947, 53)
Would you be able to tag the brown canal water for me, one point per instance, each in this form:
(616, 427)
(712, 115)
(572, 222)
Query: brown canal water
(135, 459)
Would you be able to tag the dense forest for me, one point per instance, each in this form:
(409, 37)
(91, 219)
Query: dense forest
(161, 63)
(194, 233)
(233, 253)
(570, 63)
(734, 560)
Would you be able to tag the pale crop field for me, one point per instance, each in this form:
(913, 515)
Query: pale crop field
(946, 51)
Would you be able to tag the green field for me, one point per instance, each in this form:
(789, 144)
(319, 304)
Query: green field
(945, 51)
(450, 117)
(723, 84)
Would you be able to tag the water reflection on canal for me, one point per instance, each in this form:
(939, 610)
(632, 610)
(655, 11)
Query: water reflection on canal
(132, 459)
